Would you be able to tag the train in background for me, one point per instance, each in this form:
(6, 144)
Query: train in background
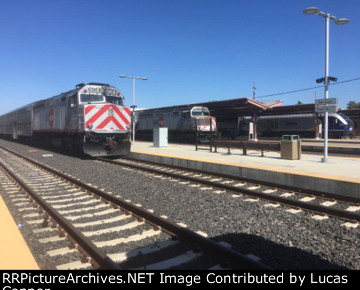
(90, 118)
(304, 125)
(183, 123)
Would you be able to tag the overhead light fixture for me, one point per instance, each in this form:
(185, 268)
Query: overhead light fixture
(311, 10)
(342, 21)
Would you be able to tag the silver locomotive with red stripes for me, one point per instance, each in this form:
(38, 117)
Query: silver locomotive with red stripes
(90, 118)
(183, 122)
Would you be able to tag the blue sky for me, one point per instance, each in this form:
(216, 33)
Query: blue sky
(190, 50)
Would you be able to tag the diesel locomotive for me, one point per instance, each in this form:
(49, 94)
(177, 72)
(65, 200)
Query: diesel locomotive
(183, 122)
(90, 118)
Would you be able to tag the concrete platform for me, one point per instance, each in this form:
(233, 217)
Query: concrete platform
(14, 252)
(340, 175)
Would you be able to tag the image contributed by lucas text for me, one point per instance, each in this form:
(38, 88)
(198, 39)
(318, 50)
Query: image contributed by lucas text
(50, 280)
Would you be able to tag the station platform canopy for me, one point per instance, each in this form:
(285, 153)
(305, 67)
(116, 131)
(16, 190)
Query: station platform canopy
(237, 107)
(233, 108)
(291, 110)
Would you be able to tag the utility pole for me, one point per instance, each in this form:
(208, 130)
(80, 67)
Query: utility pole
(133, 102)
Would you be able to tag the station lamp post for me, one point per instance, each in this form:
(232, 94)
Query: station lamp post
(326, 79)
(133, 102)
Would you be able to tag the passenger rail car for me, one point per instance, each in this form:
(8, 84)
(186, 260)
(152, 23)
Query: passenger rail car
(183, 122)
(304, 125)
(90, 118)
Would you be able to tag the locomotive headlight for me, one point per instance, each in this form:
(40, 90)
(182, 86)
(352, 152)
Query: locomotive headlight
(91, 126)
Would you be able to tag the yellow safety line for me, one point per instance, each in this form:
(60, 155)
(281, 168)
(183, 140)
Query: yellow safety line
(333, 177)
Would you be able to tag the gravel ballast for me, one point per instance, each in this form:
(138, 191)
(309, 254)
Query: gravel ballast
(281, 240)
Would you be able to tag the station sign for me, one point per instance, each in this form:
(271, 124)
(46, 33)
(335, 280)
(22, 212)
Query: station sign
(328, 101)
(324, 109)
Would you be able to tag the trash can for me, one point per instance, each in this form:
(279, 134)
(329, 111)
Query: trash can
(160, 137)
(290, 147)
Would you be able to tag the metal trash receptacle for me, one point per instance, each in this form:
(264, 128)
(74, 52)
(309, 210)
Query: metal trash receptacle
(290, 147)
(160, 137)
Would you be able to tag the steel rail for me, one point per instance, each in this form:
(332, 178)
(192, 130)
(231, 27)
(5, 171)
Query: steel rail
(235, 259)
(96, 254)
(319, 209)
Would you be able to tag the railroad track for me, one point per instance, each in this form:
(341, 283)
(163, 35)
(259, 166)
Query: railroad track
(80, 226)
(321, 203)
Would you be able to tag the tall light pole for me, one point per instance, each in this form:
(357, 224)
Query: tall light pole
(328, 17)
(133, 102)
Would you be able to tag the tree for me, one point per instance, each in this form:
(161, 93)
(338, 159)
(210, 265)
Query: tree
(353, 105)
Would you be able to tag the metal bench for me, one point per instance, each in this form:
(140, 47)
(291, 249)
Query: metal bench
(247, 145)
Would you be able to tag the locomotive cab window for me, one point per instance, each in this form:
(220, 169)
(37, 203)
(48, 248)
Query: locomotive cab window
(114, 100)
(196, 113)
(200, 113)
(72, 101)
(86, 98)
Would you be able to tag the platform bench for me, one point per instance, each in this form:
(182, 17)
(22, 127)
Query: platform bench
(247, 145)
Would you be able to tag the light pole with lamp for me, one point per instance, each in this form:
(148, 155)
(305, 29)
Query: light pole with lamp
(328, 17)
(133, 102)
